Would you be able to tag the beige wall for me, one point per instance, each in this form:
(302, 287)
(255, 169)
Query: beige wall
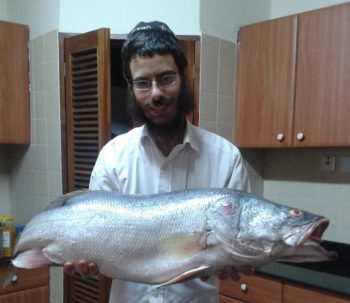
(294, 177)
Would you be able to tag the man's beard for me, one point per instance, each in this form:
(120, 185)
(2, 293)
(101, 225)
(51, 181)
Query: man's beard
(185, 105)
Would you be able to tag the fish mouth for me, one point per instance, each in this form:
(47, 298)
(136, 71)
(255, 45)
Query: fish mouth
(314, 232)
(303, 244)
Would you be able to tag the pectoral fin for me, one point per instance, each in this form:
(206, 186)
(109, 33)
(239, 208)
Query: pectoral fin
(32, 258)
(195, 272)
(184, 245)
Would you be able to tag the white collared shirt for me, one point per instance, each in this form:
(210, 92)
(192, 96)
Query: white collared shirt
(131, 163)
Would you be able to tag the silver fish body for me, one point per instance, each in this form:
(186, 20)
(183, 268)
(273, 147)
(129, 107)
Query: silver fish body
(165, 238)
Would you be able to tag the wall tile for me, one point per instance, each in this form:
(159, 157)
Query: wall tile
(227, 55)
(208, 125)
(224, 130)
(209, 78)
(37, 47)
(208, 106)
(209, 50)
(225, 109)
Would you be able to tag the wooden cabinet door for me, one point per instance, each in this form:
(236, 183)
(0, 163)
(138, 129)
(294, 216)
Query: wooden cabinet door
(252, 289)
(298, 294)
(14, 84)
(87, 65)
(87, 289)
(265, 83)
(34, 295)
(224, 299)
(87, 108)
(322, 102)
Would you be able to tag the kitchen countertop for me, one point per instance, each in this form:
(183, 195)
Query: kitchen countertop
(332, 276)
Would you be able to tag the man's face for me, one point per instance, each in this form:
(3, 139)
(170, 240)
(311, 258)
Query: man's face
(160, 101)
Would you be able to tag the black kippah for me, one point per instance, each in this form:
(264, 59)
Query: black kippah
(151, 26)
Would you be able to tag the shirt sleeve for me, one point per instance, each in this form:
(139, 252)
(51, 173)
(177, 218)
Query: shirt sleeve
(103, 175)
(239, 177)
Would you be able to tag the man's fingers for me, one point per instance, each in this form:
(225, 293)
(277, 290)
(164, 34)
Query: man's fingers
(93, 269)
(82, 267)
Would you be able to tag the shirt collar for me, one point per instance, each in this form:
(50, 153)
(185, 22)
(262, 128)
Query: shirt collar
(190, 138)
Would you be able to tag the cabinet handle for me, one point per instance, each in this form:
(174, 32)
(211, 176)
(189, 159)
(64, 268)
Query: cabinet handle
(14, 279)
(300, 136)
(244, 287)
(280, 137)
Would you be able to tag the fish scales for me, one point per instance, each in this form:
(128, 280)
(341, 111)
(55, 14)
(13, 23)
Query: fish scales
(165, 238)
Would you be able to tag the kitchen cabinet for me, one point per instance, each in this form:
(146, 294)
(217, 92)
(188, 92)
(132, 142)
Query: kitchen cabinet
(294, 293)
(87, 289)
(31, 286)
(251, 289)
(260, 288)
(292, 81)
(14, 84)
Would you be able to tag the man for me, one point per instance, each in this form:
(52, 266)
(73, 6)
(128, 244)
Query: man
(166, 153)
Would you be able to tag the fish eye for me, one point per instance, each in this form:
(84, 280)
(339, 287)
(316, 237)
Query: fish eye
(295, 212)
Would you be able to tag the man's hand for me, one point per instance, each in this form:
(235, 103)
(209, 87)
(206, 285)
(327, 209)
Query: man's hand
(227, 272)
(82, 267)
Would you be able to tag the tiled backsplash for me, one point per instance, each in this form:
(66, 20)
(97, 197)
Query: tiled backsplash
(217, 88)
(294, 177)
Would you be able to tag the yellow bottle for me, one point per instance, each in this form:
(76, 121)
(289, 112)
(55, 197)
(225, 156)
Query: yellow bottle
(8, 232)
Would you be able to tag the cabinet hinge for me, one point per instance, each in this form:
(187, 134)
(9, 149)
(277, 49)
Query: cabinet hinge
(193, 72)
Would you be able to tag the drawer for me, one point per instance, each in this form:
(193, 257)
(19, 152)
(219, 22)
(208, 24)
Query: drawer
(26, 278)
(224, 299)
(253, 289)
(293, 293)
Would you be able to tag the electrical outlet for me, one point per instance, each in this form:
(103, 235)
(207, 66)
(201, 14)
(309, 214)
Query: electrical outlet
(344, 163)
(327, 162)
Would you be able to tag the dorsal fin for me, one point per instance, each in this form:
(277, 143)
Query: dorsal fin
(60, 201)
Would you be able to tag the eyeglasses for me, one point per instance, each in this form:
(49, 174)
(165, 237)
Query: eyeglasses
(163, 81)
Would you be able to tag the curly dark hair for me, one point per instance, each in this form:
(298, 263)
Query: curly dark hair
(147, 43)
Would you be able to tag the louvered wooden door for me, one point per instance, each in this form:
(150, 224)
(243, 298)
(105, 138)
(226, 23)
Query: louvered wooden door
(87, 87)
(87, 66)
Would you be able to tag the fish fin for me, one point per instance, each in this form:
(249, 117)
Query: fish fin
(192, 273)
(10, 276)
(183, 245)
(60, 201)
(32, 258)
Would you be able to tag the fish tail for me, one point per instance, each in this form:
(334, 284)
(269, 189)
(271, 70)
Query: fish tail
(32, 258)
(10, 276)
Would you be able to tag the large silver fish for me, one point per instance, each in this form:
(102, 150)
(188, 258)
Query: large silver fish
(166, 238)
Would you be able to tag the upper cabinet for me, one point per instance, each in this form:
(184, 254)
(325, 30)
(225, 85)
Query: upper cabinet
(292, 81)
(14, 84)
